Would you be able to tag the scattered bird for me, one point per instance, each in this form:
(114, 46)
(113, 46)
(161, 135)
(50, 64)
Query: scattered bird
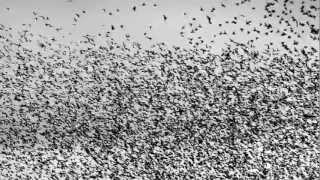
(209, 19)
(165, 17)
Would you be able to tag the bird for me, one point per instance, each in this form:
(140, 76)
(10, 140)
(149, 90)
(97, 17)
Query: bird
(165, 17)
(209, 19)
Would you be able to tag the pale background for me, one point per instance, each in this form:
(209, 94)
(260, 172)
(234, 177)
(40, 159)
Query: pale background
(62, 12)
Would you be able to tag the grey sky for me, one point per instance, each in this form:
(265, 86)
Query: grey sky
(136, 23)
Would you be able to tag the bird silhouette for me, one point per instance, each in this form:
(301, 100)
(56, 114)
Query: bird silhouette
(209, 19)
(165, 17)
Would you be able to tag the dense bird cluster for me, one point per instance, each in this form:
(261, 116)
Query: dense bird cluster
(117, 110)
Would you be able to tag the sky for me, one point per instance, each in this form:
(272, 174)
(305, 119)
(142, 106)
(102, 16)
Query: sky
(94, 21)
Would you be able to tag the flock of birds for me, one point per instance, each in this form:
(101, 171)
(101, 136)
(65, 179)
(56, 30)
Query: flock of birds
(119, 110)
(277, 22)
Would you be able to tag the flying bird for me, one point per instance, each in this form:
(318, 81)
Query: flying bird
(209, 19)
(165, 17)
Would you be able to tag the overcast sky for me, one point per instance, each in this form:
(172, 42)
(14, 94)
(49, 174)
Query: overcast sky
(136, 23)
